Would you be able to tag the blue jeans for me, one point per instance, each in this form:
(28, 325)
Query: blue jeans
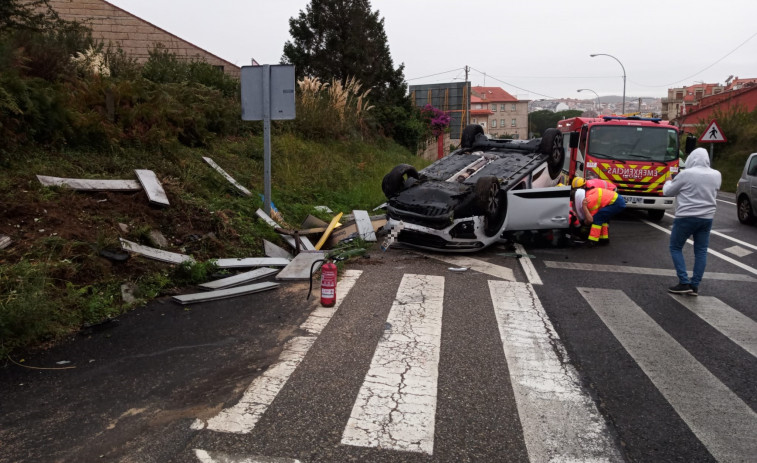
(683, 228)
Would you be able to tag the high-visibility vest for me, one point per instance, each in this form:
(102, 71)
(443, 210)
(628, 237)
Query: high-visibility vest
(598, 198)
(599, 183)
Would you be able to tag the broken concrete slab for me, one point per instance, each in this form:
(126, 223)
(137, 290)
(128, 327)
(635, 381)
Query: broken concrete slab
(153, 188)
(157, 238)
(228, 177)
(271, 250)
(289, 239)
(299, 268)
(224, 293)
(239, 279)
(312, 221)
(5, 241)
(364, 225)
(157, 254)
(82, 184)
(252, 262)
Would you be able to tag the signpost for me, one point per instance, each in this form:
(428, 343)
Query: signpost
(267, 94)
(712, 135)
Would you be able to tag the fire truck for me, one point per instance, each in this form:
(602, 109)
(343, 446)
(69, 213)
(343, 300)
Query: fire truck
(635, 153)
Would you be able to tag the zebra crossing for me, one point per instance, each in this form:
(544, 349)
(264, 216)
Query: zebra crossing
(395, 408)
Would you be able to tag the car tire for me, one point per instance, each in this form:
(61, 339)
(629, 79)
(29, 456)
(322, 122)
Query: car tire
(745, 211)
(490, 199)
(470, 132)
(551, 145)
(655, 215)
(395, 181)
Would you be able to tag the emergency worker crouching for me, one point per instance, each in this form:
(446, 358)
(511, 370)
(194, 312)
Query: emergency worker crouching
(594, 205)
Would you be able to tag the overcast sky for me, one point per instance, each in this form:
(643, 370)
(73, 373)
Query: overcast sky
(532, 49)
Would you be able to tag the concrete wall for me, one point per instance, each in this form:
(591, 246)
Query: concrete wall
(134, 35)
(431, 153)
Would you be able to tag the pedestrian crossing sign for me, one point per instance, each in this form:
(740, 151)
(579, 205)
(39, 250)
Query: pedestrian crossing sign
(713, 134)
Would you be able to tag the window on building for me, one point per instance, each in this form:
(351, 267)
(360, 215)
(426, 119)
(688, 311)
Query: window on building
(502, 108)
(477, 106)
(679, 95)
(699, 94)
(512, 107)
(494, 106)
(501, 122)
(494, 123)
(474, 121)
(512, 122)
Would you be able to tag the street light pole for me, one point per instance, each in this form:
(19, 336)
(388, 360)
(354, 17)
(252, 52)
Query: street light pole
(624, 76)
(599, 105)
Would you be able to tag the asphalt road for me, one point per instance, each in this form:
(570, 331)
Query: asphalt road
(532, 353)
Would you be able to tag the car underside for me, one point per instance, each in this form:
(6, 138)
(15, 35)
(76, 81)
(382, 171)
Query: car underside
(460, 202)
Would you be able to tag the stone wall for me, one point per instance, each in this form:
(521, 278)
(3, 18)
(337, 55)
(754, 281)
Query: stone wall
(134, 35)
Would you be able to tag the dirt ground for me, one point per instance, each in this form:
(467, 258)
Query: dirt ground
(84, 227)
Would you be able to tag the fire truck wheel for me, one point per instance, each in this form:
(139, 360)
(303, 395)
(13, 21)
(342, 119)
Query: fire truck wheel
(490, 200)
(655, 215)
(395, 181)
(745, 211)
(470, 132)
(551, 144)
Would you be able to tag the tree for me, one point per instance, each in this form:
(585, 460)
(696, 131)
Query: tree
(30, 15)
(343, 39)
(539, 121)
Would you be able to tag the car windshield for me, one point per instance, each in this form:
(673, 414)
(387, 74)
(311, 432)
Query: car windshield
(628, 142)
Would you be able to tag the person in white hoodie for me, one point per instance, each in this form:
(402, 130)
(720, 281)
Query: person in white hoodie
(695, 189)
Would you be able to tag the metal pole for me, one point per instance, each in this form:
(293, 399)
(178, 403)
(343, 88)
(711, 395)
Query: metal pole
(267, 139)
(624, 76)
(592, 91)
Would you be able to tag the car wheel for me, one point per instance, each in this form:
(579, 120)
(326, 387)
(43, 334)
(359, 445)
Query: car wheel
(395, 181)
(655, 215)
(551, 144)
(470, 132)
(744, 210)
(490, 200)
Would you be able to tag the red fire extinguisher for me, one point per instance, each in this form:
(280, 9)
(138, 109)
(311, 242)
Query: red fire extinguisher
(328, 282)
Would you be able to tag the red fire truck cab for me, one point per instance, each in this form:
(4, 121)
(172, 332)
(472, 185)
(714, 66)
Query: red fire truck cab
(636, 154)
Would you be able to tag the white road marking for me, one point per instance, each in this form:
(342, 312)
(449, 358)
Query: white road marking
(733, 324)
(723, 235)
(714, 253)
(559, 419)
(477, 265)
(396, 406)
(242, 417)
(528, 267)
(727, 202)
(219, 457)
(641, 270)
(738, 251)
(719, 418)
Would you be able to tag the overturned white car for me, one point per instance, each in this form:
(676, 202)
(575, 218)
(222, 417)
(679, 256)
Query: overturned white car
(469, 199)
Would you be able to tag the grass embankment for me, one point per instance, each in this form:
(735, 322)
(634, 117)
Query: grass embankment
(53, 278)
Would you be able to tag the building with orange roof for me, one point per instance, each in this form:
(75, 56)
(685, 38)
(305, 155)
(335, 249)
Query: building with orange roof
(499, 113)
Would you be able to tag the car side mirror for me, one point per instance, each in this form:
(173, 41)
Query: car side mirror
(691, 144)
(573, 142)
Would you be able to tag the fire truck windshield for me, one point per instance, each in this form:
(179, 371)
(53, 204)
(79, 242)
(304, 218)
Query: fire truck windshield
(624, 142)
